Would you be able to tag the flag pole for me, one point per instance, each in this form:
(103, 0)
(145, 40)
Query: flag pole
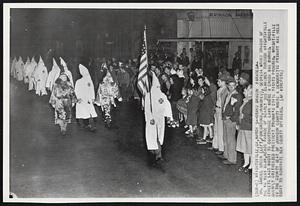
(145, 30)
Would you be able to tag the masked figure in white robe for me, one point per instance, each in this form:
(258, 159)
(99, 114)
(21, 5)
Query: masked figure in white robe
(30, 72)
(52, 76)
(40, 76)
(13, 67)
(108, 91)
(67, 71)
(26, 68)
(20, 69)
(85, 93)
(157, 107)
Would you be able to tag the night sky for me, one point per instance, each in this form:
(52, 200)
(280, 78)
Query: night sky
(35, 31)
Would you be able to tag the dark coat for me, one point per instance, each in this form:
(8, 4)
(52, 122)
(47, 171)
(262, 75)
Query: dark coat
(175, 89)
(233, 111)
(246, 121)
(206, 111)
(192, 110)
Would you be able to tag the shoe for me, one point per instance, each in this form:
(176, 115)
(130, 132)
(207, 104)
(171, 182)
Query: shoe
(209, 140)
(241, 169)
(211, 148)
(222, 157)
(226, 162)
(219, 153)
(63, 133)
(201, 141)
(188, 132)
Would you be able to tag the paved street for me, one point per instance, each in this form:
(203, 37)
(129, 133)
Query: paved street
(110, 162)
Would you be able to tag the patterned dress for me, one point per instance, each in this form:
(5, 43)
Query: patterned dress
(61, 99)
(107, 92)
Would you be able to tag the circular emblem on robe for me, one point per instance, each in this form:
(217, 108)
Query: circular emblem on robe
(161, 100)
(152, 121)
(89, 84)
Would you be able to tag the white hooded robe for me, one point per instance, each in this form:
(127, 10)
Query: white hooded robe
(13, 67)
(20, 69)
(40, 76)
(84, 90)
(30, 71)
(26, 68)
(52, 76)
(67, 71)
(160, 109)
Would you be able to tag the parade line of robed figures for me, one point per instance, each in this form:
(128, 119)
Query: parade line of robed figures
(178, 93)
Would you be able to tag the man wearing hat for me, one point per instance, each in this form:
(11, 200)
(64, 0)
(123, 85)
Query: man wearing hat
(244, 81)
(218, 143)
(230, 116)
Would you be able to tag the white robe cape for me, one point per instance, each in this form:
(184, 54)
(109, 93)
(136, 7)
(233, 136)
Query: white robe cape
(52, 76)
(40, 76)
(30, 71)
(84, 90)
(20, 69)
(160, 109)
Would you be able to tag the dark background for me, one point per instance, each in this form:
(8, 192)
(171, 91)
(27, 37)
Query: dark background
(88, 32)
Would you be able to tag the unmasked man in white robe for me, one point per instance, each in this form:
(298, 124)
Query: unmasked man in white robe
(85, 93)
(30, 71)
(20, 69)
(67, 71)
(40, 76)
(52, 76)
(156, 108)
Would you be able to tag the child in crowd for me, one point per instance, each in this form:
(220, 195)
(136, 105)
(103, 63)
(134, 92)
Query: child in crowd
(206, 115)
(192, 108)
(182, 106)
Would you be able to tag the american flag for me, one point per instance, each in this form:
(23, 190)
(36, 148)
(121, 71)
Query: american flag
(143, 83)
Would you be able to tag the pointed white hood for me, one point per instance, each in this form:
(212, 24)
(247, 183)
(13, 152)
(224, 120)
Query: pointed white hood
(155, 83)
(20, 59)
(55, 64)
(28, 60)
(84, 71)
(33, 60)
(41, 62)
(63, 63)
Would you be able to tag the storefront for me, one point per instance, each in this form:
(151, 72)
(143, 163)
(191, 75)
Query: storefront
(217, 33)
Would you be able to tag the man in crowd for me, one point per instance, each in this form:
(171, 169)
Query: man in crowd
(124, 80)
(230, 115)
(244, 81)
(237, 61)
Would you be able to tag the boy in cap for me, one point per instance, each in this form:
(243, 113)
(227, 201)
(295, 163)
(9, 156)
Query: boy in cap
(230, 116)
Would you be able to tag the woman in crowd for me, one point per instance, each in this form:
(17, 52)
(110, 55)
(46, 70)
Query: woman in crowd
(244, 139)
(192, 106)
(62, 99)
(175, 95)
(165, 86)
